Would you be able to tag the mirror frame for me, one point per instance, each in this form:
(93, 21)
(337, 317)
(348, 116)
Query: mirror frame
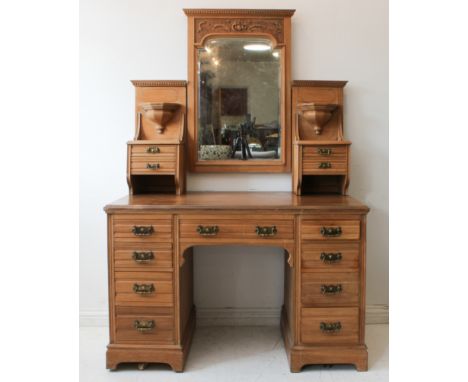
(205, 24)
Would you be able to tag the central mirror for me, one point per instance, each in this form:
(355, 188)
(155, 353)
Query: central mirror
(239, 100)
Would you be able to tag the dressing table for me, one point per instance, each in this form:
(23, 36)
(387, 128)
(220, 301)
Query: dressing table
(239, 111)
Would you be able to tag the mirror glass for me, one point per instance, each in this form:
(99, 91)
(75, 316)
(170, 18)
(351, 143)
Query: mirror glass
(239, 91)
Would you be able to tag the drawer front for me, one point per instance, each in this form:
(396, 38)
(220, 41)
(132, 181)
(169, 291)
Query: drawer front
(135, 229)
(144, 257)
(144, 288)
(144, 165)
(330, 256)
(330, 289)
(330, 230)
(213, 229)
(324, 152)
(154, 151)
(329, 326)
(325, 160)
(144, 328)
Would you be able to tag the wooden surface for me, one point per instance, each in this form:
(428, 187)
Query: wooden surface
(246, 201)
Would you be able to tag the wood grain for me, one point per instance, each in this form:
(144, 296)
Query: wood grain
(311, 229)
(312, 283)
(311, 261)
(312, 317)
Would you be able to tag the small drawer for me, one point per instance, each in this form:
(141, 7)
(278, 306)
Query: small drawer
(129, 230)
(145, 166)
(153, 151)
(329, 326)
(144, 288)
(330, 289)
(264, 229)
(324, 166)
(324, 152)
(329, 256)
(330, 230)
(144, 258)
(154, 329)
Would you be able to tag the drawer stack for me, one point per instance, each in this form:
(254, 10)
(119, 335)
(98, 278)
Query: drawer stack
(325, 160)
(330, 282)
(152, 159)
(142, 279)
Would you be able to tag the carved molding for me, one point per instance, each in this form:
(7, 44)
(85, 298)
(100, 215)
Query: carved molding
(240, 12)
(205, 26)
(324, 84)
(160, 83)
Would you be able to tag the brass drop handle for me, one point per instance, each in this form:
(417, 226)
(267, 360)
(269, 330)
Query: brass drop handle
(324, 152)
(144, 325)
(153, 150)
(330, 327)
(142, 230)
(266, 231)
(330, 231)
(142, 257)
(208, 230)
(152, 166)
(330, 257)
(143, 288)
(325, 165)
(331, 289)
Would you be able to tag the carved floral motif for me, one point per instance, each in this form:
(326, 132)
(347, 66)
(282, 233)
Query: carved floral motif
(270, 26)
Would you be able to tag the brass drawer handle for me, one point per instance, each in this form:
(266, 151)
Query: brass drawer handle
(153, 150)
(324, 152)
(141, 230)
(330, 327)
(266, 231)
(208, 230)
(152, 166)
(144, 325)
(330, 231)
(329, 258)
(143, 288)
(143, 257)
(331, 289)
(325, 165)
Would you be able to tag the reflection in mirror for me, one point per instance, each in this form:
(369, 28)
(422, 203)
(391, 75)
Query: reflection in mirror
(239, 100)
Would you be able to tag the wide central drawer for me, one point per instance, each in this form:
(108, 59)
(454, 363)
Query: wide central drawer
(214, 228)
(144, 288)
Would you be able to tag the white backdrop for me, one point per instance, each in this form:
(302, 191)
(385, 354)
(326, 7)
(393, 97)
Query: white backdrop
(122, 40)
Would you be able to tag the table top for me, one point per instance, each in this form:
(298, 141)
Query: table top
(237, 201)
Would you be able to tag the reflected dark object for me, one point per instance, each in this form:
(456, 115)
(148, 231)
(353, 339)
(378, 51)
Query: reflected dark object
(240, 142)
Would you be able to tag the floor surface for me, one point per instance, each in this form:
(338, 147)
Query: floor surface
(232, 354)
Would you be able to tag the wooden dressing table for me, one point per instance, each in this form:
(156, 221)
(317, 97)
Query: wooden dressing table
(150, 247)
(151, 232)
